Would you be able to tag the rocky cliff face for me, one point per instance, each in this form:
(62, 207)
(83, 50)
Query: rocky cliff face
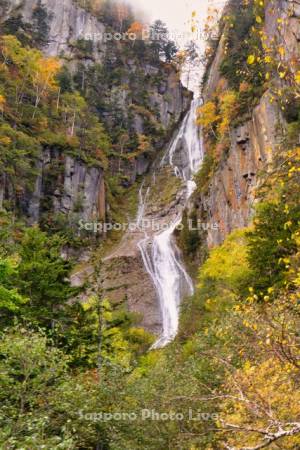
(62, 22)
(287, 15)
(75, 190)
(133, 95)
(231, 196)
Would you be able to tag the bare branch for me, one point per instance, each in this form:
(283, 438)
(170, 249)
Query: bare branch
(269, 437)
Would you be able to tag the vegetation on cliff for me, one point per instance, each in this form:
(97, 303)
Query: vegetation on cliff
(99, 113)
(252, 63)
(36, 114)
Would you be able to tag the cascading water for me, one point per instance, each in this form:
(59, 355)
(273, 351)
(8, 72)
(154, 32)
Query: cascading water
(160, 254)
(188, 132)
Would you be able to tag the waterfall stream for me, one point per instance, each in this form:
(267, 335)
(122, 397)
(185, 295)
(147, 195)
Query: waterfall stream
(160, 254)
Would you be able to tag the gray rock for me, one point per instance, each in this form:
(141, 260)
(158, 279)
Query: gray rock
(67, 24)
(81, 191)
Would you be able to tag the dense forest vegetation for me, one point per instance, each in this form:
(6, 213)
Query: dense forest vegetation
(235, 361)
(79, 375)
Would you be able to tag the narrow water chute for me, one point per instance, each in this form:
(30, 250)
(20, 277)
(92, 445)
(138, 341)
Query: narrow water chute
(160, 254)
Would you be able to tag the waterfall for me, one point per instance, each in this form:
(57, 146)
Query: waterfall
(189, 133)
(160, 254)
(142, 205)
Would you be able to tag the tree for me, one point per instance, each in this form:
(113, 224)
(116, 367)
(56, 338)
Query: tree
(19, 152)
(32, 67)
(14, 54)
(121, 12)
(2, 103)
(124, 140)
(85, 129)
(11, 302)
(228, 110)
(170, 51)
(262, 407)
(30, 369)
(94, 142)
(72, 105)
(136, 28)
(208, 117)
(44, 79)
(42, 277)
(191, 59)
(274, 237)
(216, 115)
(160, 42)
(94, 334)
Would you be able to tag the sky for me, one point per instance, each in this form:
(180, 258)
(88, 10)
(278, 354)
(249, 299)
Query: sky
(177, 14)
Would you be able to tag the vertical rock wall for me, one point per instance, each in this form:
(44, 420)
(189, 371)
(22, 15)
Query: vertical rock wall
(231, 194)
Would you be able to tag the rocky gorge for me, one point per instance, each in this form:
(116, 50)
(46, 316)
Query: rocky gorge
(228, 203)
(68, 187)
(149, 235)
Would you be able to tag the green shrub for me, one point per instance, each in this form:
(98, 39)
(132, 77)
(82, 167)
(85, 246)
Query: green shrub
(204, 175)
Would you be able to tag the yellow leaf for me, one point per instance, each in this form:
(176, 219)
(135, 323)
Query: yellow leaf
(5, 140)
(251, 59)
(297, 77)
(258, 19)
(247, 365)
